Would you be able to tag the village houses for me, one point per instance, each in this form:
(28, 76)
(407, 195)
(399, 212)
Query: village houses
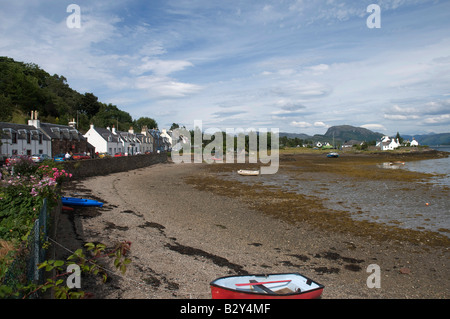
(41, 138)
(52, 139)
(111, 141)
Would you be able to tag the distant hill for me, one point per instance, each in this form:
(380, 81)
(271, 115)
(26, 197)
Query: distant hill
(343, 133)
(348, 132)
(430, 139)
(339, 134)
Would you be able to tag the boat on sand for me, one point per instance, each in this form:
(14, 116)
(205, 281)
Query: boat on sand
(272, 286)
(248, 172)
(75, 201)
(333, 154)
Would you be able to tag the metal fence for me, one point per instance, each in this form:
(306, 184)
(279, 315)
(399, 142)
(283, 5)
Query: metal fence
(24, 269)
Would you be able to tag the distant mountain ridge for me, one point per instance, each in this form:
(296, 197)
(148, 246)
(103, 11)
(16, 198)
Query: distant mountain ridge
(430, 139)
(348, 133)
(344, 133)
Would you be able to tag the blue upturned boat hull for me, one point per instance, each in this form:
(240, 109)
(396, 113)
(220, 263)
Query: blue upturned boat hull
(73, 201)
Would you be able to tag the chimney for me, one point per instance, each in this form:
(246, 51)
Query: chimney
(144, 130)
(73, 123)
(131, 131)
(34, 120)
(92, 126)
(113, 129)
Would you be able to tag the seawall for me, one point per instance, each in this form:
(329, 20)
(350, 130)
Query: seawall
(104, 166)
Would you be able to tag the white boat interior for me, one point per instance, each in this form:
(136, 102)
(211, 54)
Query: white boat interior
(278, 283)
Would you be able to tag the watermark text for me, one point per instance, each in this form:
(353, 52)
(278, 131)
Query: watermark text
(239, 145)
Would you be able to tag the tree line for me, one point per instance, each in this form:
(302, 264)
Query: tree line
(25, 87)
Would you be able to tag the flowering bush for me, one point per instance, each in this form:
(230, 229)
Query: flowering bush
(23, 187)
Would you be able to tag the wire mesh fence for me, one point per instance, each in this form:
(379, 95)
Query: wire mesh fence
(24, 269)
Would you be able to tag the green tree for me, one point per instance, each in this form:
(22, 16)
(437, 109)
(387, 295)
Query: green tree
(110, 115)
(145, 121)
(400, 139)
(5, 108)
(89, 104)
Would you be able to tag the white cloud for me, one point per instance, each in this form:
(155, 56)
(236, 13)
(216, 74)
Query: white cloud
(319, 68)
(320, 124)
(161, 67)
(401, 117)
(440, 119)
(375, 127)
(301, 124)
(158, 86)
(432, 113)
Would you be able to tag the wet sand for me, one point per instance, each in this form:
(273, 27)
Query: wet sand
(188, 226)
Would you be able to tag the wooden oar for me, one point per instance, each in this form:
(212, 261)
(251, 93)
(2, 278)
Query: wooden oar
(262, 283)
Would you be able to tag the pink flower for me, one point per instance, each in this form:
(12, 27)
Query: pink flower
(33, 192)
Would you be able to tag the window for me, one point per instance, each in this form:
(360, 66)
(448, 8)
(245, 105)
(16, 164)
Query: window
(40, 138)
(14, 138)
(28, 138)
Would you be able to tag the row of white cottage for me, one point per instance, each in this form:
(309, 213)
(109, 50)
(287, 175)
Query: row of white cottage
(387, 143)
(53, 139)
(109, 140)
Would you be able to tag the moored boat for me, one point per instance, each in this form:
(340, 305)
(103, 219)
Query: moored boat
(247, 172)
(333, 154)
(74, 201)
(397, 163)
(273, 286)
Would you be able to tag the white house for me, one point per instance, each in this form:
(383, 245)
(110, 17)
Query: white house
(146, 140)
(109, 140)
(105, 140)
(414, 142)
(21, 139)
(388, 143)
(131, 144)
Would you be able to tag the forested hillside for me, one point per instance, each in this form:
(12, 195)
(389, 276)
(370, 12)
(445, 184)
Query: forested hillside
(25, 87)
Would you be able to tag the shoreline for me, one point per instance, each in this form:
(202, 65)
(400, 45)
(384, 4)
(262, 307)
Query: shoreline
(184, 237)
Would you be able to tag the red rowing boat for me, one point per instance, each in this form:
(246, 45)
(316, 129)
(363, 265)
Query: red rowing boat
(273, 286)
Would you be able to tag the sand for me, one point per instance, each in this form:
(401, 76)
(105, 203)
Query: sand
(183, 238)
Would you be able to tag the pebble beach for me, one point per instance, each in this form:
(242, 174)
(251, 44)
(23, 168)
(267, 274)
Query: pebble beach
(192, 223)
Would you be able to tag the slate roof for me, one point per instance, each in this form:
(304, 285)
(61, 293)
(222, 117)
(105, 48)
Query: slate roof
(21, 129)
(55, 131)
(107, 135)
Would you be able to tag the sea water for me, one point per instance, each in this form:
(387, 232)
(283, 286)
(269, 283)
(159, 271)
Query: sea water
(439, 166)
(391, 203)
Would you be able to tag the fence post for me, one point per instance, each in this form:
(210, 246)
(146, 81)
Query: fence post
(36, 251)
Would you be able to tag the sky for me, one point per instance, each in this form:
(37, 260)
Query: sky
(295, 65)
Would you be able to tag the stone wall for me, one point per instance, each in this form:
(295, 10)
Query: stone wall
(105, 166)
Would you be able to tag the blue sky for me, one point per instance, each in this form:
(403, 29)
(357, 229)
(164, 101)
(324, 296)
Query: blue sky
(300, 66)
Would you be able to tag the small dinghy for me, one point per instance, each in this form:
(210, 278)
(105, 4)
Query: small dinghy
(274, 286)
(247, 172)
(333, 155)
(74, 201)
